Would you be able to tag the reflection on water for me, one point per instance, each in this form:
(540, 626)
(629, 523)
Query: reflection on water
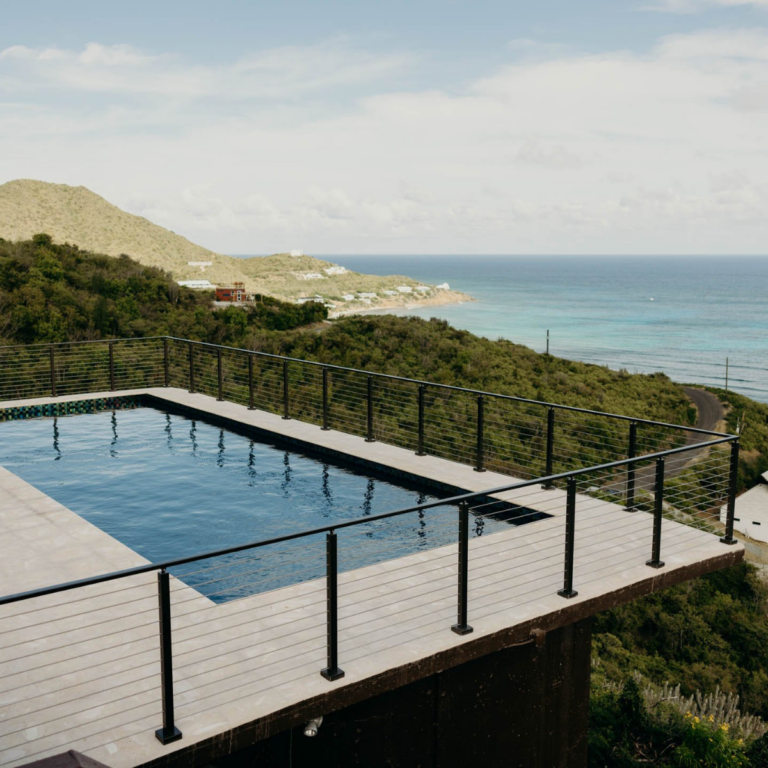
(130, 474)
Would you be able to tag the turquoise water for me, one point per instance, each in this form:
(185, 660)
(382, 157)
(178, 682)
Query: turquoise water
(680, 315)
(168, 486)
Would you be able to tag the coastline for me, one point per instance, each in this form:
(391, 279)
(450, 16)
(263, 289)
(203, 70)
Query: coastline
(384, 305)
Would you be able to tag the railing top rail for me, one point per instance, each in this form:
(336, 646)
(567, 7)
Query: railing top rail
(149, 567)
(47, 344)
(454, 388)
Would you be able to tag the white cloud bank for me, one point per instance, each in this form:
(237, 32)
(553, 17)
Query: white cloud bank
(699, 6)
(323, 148)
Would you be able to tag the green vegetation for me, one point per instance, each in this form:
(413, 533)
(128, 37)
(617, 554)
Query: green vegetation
(704, 633)
(750, 419)
(707, 633)
(51, 293)
(627, 733)
(77, 215)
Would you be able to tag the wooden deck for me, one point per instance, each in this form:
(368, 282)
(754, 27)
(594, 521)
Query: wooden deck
(80, 670)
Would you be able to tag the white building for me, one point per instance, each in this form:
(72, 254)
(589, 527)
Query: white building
(335, 270)
(348, 297)
(751, 516)
(205, 285)
(363, 295)
(443, 287)
(310, 276)
(390, 293)
(405, 289)
(423, 288)
(297, 253)
(310, 300)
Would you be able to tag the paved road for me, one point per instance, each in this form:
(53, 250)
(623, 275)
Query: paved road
(709, 407)
(709, 412)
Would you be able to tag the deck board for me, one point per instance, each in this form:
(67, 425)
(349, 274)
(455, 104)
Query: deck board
(81, 669)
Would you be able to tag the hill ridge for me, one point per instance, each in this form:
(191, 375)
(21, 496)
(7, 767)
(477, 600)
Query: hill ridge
(76, 215)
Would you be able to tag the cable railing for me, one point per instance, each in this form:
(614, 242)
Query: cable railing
(153, 647)
(489, 431)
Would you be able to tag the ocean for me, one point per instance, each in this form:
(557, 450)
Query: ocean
(680, 315)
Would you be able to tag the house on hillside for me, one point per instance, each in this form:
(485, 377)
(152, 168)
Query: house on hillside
(751, 516)
(232, 293)
(201, 285)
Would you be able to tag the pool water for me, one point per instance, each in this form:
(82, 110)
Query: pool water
(169, 486)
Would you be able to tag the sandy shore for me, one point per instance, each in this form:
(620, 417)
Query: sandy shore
(448, 297)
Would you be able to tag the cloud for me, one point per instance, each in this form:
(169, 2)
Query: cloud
(279, 73)
(699, 6)
(547, 156)
(329, 145)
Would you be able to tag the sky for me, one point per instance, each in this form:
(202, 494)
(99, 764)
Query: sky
(451, 127)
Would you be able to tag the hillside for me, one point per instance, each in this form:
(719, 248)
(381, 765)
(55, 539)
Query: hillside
(51, 293)
(78, 216)
(707, 635)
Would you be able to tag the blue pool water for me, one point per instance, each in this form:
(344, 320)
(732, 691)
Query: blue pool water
(169, 486)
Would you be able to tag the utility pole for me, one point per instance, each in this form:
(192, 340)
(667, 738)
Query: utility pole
(726, 374)
(547, 341)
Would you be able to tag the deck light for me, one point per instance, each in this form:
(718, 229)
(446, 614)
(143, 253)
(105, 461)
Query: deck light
(313, 726)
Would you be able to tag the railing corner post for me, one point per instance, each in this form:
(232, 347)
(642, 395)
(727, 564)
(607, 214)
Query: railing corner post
(53, 370)
(550, 448)
(166, 364)
(332, 671)
(111, 366)
(191, 367)
(570, 537)
(658, 511)
(480, 455)
(220, 375)
(461, 627)
(286, 400)
(169, 732)
(325, 426)
(733, 478)
(369, 436)
(420, 443)
(631, 453)
(251, 406)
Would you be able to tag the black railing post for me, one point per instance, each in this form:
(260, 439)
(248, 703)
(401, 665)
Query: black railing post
(480, 458)
(369, 437)
(570, 540)
(733, 477)
(658, 509)
(53, 371)
(420, 447)
(550, 448)
(166, 365)
(191, 367)
(169, 732)
(332, 671)
(220, 372)
(286, 401)
(251, 406)
(111, 366)
(461, 627)
(631, 453)
(325, 426)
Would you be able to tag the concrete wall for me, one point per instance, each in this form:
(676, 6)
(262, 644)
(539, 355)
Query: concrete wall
(522, 707)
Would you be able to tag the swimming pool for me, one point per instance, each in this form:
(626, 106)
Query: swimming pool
(169, 486)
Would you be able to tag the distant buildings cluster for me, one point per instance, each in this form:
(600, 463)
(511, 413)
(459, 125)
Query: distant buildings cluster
(236, 293)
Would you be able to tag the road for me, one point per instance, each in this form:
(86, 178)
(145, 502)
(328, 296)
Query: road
(710, 410)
